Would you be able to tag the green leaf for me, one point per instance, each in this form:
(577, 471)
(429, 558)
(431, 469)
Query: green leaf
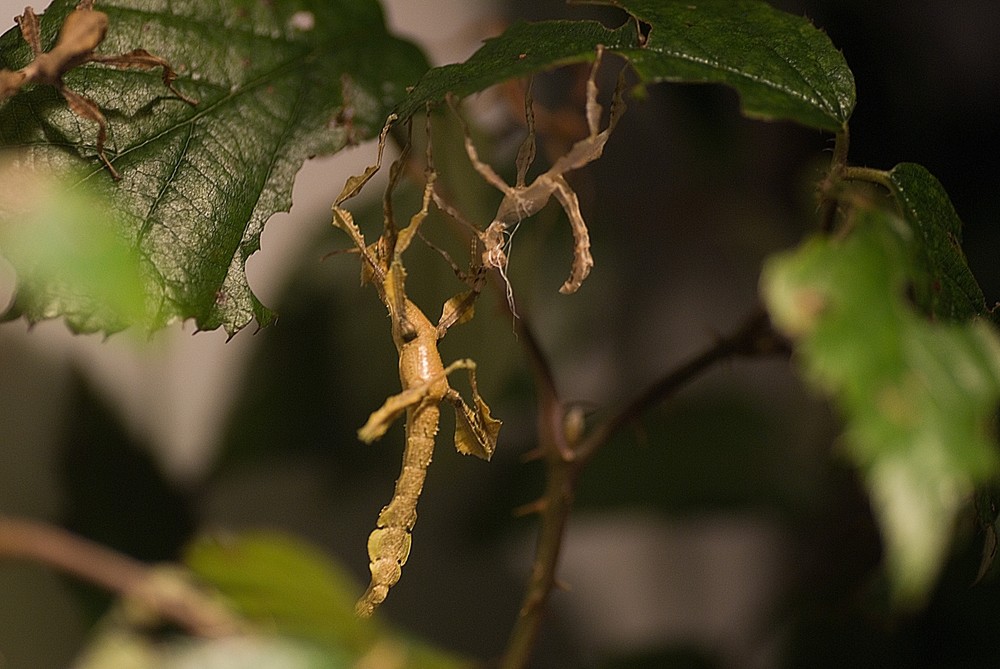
(780, 64)
(946, 286)
(274, 578)
(293, 589)
(523, 49)
(918, 398)
(277, 82)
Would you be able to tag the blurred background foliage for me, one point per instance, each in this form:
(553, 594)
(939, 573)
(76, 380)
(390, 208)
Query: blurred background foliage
(723, 531)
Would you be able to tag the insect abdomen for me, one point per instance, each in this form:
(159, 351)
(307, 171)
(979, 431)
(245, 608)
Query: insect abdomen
(389, 544)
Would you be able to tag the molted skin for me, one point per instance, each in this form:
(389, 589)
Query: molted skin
(523, 200)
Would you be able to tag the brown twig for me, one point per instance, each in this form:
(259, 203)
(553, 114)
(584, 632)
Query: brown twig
(168, 596)
(566, 458)
(554, 506)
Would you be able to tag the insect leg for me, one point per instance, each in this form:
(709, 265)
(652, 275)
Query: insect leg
(590, 148)
(354, 184)
(470, 148)
(343, 218)
(10, 83)
(86, 108)
(526, 152)
(394, 406)
(583, 261)
(476, 430)
(28, 22)
(144, 60)
(389, 230)
(593, 108)
(395, 291)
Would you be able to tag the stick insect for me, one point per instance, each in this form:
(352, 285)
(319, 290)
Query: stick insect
(422, 375)
(523, 200)
(82, 31)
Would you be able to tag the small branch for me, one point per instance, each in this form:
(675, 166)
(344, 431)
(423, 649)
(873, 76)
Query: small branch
(168, 595)
(753, 337)
(566, 458)
(557, 503)
(551, 413)
(554, 507)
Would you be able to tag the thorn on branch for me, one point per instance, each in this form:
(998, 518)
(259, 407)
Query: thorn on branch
(533, 455)
(561, 585)
(531, 508)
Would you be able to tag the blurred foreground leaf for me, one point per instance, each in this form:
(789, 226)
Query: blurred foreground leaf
(120, 648)
(918, 398)
(291, 588)
(275, 578)
(277, 83)
(69, 254)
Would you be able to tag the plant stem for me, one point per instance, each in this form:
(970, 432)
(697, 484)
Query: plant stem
(558, 502)
(869, 174)
(555, 505)
(831, 184)
(565, 459)
(167, 595)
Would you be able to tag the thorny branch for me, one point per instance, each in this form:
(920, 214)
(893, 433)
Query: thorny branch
(566, 453)
(166, 594)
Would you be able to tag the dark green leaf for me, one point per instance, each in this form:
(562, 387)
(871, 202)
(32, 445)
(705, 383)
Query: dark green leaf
(918, 397)
(277, 82)
(523, 49)
(946, 286)
(780, 64)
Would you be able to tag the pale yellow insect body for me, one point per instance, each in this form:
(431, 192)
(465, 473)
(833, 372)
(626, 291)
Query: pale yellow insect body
(424, 381)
